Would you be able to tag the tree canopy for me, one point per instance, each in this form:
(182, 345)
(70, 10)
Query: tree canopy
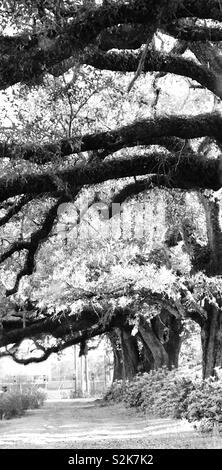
(89, 109)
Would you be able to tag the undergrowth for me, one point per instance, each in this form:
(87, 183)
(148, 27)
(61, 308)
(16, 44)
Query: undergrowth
(13, 404)
(164, 393)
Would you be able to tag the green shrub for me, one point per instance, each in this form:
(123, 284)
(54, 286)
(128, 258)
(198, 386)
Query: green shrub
(36, 399)
(158, 392)
(166, 393)
(115, 393)
(10, 405)
(204, 405)
(14, 404)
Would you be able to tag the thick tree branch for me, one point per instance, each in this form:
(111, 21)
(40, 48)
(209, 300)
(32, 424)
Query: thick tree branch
(56, 326)
(144, 132)
(185, 173)
(89, 333)
(32, 57)
(26, 57)
(194, 33)
(132, 189)
(64, 324)
(125, 36)
(147, 132)
(127, 61)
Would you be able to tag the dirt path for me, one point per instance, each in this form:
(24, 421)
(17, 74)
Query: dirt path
(85, 424)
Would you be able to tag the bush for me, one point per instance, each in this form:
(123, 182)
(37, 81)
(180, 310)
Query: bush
(166, 393)
(115, 393)
(161, 393)
(14, 404)
(204, 405)
(33, 399)
(10, 405)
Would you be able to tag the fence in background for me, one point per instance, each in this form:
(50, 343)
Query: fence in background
(57, 388)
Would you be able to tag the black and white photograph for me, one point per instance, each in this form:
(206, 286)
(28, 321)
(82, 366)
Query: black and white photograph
(110, 231)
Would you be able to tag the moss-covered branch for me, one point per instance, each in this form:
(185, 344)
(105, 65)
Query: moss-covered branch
(143, 132)
(127, 61)
(186, 173)
(25, 57)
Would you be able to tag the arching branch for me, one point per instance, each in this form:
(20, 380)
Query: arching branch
(89, 333)
(127, 61)
(32, 246)
(188, 172)
(143, 132)
(26, 57)
(194, 33)
(132, 189)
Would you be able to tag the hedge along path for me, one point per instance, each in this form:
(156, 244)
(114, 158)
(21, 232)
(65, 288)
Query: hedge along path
(84, 424)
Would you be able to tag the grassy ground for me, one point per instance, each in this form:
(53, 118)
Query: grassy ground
(85, 424)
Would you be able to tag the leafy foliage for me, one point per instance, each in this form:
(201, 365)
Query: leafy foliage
(14, 404)
(166, 393)
(57, 84)
(204, 405)
(160, 393)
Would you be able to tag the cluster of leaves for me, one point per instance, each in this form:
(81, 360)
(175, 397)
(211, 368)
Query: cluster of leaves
(16, 403)
(206, 289)
(72, 104)
(166, 393)
(99, 265)
(104, 264)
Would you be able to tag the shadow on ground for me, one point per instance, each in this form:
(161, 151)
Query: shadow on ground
(85, 424)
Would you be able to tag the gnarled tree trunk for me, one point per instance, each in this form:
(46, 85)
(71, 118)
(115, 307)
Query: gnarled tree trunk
(125, 352)
(162, 340)
(147, 360)
(214, 235)
(130, 353)
(160, 356)
(168, 329)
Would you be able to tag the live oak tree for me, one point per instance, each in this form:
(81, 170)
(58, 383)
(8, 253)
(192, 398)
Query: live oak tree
(122, 287)
(40, 42)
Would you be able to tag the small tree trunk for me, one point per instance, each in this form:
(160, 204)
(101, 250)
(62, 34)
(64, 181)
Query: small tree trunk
(118, 365)
(172, 347)
(117, 356)
(211, 339)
